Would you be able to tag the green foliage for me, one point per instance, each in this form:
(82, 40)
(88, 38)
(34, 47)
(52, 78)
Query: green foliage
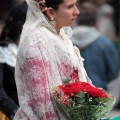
(80, 97)
(67, 80)
(88, 109)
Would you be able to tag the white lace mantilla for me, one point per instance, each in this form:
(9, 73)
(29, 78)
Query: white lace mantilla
(44, 60)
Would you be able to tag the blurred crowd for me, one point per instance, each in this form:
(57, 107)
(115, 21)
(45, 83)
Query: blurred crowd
(96, 33)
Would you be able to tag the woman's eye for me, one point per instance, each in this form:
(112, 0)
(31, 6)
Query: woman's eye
(70, 6)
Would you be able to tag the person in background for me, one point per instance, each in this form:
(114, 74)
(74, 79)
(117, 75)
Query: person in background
(9, 41)
(100, 54)
(99, 3)
(105, 21)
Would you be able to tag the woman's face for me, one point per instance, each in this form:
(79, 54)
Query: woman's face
(66, 14)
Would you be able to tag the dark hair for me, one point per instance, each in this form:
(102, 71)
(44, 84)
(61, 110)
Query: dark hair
(14, 22)
(88, 14)
(53, 3)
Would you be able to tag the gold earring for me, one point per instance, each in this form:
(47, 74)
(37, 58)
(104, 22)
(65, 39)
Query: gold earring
(52, 21)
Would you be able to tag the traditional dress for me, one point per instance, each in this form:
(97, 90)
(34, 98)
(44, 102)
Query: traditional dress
(44, 60)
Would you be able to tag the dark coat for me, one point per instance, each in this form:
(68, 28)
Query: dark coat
(101, 61)
(100, 54)
(8, 92)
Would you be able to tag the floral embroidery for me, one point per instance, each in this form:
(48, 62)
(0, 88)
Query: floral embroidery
(40, 67)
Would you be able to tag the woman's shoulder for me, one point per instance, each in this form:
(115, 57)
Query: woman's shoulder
(39, 31)
(104, 42)
(36, 35)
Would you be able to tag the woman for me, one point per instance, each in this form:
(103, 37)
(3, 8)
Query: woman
(9, 41)
(45, 57)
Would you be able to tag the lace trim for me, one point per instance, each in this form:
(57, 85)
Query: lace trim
(40, 60)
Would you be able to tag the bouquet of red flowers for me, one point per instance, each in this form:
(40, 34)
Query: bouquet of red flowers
(82, 101)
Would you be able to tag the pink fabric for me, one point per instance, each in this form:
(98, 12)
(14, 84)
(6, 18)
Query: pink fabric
(36, 74)
(74, 76)
(42, 64)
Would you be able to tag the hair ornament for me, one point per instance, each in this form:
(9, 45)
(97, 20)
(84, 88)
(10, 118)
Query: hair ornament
(42, 5)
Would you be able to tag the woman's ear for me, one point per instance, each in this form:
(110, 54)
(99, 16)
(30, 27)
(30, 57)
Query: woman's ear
(49, 13)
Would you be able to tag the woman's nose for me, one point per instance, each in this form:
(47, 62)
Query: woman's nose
(77, 12)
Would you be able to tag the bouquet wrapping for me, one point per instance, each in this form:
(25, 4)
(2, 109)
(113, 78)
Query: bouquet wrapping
(82, 101)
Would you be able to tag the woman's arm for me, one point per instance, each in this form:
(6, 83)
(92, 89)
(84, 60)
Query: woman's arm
(33, 78)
